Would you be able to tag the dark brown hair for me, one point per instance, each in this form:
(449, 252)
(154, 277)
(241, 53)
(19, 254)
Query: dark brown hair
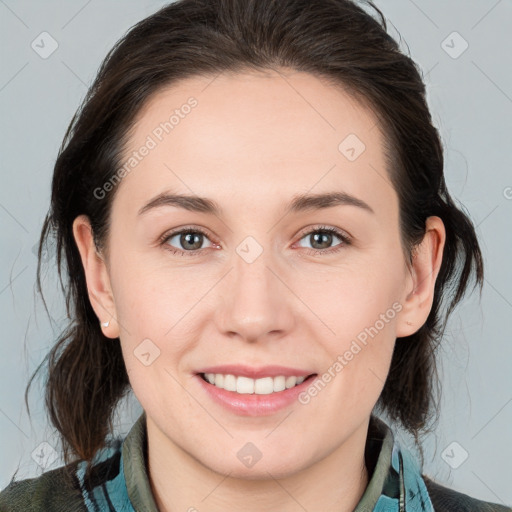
(335, 39)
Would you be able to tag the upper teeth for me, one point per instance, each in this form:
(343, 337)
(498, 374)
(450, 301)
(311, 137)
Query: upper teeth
(246, 385)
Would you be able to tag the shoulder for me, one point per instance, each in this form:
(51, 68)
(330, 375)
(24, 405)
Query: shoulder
(57, 490)
(446, 499)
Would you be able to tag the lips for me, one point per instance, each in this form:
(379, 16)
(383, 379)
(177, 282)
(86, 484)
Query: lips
(256, 372)
(251, 404)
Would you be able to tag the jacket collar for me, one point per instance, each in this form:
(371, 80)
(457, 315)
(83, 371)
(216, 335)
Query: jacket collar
(395, 485)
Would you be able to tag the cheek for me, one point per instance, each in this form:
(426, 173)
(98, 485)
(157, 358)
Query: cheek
(359, 309)
(355, 297)
(359, 354)
(147, 296)
(159, 310)
(153, 338)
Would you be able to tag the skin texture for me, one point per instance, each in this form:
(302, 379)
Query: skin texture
(253, 142)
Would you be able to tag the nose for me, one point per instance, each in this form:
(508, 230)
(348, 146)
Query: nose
(257, 303)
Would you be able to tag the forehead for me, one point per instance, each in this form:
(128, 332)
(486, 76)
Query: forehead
(242, 137)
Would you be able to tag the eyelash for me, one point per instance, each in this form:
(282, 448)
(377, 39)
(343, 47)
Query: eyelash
(345, 239)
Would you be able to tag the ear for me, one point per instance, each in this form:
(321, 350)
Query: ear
(97, 278)
(419, 294)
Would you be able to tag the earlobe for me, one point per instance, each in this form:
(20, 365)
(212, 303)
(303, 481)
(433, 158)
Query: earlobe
(97, 278)
(419, 295)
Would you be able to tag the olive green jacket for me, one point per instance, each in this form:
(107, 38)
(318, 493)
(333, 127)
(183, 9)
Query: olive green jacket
(120, 482)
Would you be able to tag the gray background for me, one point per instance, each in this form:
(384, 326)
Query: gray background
(470, 96)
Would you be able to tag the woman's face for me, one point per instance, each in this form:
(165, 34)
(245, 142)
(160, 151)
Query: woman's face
(252, 290)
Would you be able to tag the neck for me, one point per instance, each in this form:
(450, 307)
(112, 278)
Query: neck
(334, 483)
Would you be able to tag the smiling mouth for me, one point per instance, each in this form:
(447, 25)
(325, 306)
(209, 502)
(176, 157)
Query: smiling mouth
(246, 385)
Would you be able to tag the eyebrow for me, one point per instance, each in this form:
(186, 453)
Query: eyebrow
(299, 203)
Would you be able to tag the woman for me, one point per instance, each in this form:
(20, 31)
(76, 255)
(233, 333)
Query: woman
(258, 238)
